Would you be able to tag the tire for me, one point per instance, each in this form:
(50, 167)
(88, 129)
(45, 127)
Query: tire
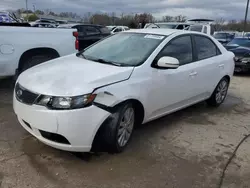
(219, 94)
(35, 60)
(118, 129)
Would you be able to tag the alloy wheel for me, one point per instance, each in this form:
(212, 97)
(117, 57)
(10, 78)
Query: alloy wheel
(221, 91)
(126, 126)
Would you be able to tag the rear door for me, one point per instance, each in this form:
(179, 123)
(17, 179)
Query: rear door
(208, 65)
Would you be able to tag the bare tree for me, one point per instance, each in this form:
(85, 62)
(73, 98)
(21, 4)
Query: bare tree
(167, 18)
(219, 24)
(180, 18)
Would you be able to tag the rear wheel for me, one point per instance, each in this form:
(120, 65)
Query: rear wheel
(219, 94)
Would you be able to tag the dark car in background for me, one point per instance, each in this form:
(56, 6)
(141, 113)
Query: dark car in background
(223, 37)
(238, 42)
(88, 34)
(240, 46)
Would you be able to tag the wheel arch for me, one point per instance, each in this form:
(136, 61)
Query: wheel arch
(227, 77)
(139, 111)
(36, 51)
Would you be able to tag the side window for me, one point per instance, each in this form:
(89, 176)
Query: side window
(205, 29)
(79, 28)
(180, 27)
(91, 30)
(205, 47)
(117, 30)
(179, 48)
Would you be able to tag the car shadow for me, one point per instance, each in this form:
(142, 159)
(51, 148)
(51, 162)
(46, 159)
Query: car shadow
(242, 74)
(6, 83)
(144, 135)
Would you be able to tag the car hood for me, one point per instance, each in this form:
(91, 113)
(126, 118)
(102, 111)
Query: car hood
(240, 52)
(237, 49)
(71, 76)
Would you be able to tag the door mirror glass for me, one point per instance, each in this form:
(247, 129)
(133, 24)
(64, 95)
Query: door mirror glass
(168, 62)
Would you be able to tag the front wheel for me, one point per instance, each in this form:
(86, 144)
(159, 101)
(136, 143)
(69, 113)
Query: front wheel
(219, 94)
(118, 130)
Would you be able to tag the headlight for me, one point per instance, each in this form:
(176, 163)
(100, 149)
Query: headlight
(66, 102)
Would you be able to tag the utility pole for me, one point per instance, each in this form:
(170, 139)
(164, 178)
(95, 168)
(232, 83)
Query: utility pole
(26, 5)
(245, 21)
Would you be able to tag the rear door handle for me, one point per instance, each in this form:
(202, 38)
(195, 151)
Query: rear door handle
(193, 74)
(221, 65)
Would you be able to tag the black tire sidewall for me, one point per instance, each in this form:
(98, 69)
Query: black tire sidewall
(128, 105)
(212, 101)
(112, 127)
(35, 60)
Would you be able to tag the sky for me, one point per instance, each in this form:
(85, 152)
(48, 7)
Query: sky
(212, 9)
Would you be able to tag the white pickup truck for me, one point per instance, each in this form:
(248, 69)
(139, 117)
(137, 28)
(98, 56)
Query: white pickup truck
(24, 47)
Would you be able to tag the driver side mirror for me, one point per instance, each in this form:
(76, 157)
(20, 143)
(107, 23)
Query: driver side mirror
(168, 62)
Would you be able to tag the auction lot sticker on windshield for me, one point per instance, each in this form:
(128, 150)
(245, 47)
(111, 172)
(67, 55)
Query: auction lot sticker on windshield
(158, 37)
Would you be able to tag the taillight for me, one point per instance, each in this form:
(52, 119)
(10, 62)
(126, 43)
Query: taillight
(75, 34)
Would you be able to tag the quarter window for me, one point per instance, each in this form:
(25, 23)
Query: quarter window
(179, 48)
(205, 47)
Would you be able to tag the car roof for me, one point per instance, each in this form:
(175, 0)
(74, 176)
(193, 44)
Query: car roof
(160, 31)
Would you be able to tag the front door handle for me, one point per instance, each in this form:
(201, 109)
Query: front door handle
(193, 74)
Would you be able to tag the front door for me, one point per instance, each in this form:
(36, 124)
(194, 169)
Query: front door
(173, 89)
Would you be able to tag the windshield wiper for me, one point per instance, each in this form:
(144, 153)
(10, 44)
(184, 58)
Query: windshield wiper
(80, 54)
(108, 62)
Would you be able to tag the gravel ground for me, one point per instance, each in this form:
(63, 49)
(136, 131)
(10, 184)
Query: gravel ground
(187, 149)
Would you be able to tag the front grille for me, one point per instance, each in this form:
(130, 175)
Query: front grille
(25, 96)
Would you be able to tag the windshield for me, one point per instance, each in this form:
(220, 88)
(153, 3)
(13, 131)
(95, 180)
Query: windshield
(110, 28)
(220, 35)
(240, 41)
(168, 26)
(125, 49)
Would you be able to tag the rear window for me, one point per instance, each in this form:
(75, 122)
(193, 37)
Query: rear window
(79, 28)
(220, 35)
(90, 30)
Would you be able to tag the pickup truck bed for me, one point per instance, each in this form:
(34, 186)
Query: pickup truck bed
(24, 47)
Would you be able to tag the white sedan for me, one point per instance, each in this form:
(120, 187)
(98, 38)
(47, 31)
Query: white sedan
(93, 99)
